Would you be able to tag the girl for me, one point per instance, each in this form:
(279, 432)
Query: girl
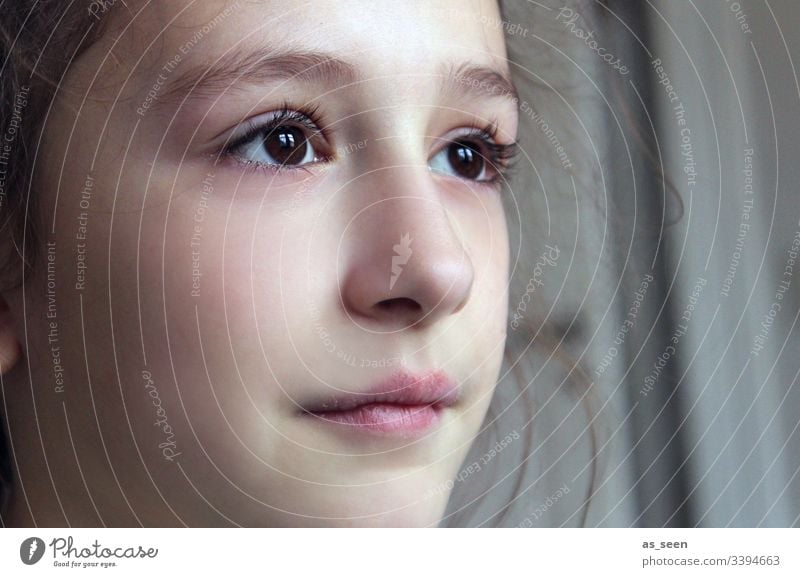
(258, 265)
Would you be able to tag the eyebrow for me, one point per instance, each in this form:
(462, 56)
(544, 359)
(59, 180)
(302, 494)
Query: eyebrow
(259, 66)
(265, 65)
(479, 81)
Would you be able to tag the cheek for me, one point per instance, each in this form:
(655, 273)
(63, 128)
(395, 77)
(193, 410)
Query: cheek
(500, 252)
(493, 295)
(484, 231)
(240, 274)
(223, 260)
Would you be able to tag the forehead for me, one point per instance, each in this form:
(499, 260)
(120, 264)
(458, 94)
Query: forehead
(380, 36)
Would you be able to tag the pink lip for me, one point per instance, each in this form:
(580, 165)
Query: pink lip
(403, 404)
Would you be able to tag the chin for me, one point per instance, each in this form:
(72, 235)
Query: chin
(424, 514)
(379, 505)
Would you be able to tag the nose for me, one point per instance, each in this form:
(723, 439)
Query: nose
(406, 264)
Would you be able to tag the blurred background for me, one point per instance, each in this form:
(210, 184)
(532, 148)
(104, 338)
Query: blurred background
(715, 428)
(662, 152)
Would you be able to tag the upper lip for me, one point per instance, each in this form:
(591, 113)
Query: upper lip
(434, 388)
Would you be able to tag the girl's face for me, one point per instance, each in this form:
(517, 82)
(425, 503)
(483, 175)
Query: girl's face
(253, 212)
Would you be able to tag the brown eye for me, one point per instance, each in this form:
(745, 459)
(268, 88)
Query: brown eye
(461, 158)
(286, 145)
(476, 157)
(286, 139)
(465, 160)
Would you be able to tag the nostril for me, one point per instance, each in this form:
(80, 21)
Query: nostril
(401, 305)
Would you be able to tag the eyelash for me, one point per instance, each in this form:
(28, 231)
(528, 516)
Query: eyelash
(500, 157)
(305, 117)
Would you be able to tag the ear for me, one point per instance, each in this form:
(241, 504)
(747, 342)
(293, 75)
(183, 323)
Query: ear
(10, 350)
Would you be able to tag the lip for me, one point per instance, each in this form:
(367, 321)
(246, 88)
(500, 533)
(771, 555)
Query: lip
(404, 404)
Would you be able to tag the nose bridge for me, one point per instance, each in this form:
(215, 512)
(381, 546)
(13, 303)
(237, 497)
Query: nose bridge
(397, 199)
(406, 264)
(405, 204)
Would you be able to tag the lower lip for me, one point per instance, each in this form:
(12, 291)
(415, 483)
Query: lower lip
(384, 418)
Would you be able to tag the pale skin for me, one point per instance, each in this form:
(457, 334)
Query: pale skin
(294, 294)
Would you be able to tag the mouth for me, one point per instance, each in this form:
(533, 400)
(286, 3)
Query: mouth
(405, 404)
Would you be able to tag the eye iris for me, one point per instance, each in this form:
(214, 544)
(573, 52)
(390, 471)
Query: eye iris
(465, 160)
(286, 145)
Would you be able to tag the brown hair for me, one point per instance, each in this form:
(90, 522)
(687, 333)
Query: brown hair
(38, 41)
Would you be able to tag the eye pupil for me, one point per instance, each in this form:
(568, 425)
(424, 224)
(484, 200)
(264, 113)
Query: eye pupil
(465, 160)
(286, 145)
